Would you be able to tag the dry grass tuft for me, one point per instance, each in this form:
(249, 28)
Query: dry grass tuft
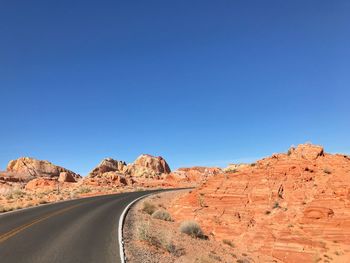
(192, 229)
(148, 208)
(162, 215)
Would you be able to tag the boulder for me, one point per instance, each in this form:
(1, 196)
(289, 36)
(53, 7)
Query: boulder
(41, 184)
(148, 166)
(306, 151)
(108, 165)
(65, 177)
(156, 164)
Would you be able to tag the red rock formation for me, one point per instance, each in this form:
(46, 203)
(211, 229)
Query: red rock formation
(294, 207)
(157, 164)
(30, 168)
(66, 177)
(108, 179)
(195, 175)
(108, 165)
(148, 166)
(41, 184)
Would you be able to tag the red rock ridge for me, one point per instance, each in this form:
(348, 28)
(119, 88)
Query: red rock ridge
(294, 207)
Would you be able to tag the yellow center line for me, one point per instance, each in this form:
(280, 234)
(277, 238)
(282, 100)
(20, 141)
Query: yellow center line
(16, 230)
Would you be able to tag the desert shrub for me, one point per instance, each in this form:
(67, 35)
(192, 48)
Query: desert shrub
(9, 196)
(162, 215)
(146, 235)
(160, 241)
(267, 212)
(72, 195)
(253, 164)
(172, 249)
(14, 194)
(192, 229)
(327, 171)
(18, 193)
(276, 205)
(228, 242)
(214, 257)
(201, 199)
(148, 208)
(16, 207)
(83, 190)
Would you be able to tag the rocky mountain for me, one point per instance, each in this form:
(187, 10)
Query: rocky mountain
(292, 206)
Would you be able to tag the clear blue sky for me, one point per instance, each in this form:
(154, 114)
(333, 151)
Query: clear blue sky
(198, 82)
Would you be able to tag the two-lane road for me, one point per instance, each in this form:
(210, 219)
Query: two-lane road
(83, 230)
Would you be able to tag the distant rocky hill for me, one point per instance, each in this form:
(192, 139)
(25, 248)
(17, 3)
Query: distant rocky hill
(293, 206)
(30, 168)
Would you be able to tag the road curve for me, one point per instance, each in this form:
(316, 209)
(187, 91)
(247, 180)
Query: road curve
(83, 230)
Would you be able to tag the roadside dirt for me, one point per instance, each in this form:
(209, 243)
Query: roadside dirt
(151, 240)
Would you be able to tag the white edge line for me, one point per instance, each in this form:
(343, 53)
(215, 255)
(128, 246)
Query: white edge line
(122, 217)
(120, 226)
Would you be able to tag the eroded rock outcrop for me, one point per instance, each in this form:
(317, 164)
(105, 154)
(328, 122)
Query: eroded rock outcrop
(41, 184)
(195, 175)
(66, 178)
(108, 165)
(235, 167)
(146, 171)
(30, 168)
(148, 166)
(293, 206)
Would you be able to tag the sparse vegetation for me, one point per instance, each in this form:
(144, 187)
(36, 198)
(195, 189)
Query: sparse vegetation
(276, 205)
(14, 194)
(327, 171)
(213, 256)
(201, 200)
(172, 249)
(145, 235)
(162, 215)
(228, 242)
(159, 242)
(192, 229)
(83, 190)
(253, 164)
(72, 195)
(267, 212)
(148, 208)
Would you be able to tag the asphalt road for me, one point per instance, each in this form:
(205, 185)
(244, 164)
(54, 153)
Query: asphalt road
(84, 230)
